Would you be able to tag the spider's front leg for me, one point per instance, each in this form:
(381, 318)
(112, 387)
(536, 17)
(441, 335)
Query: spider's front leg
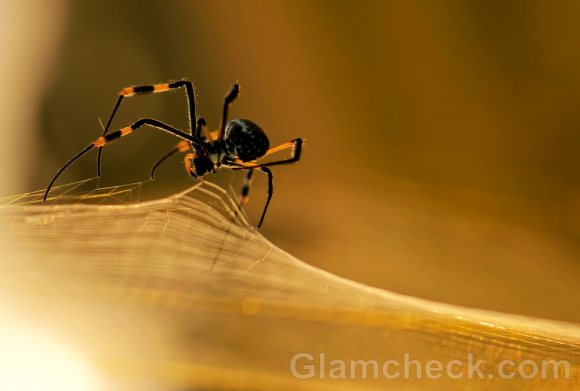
(152, 89)
(109, 138)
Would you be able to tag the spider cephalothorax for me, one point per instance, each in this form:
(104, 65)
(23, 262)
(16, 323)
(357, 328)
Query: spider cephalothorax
(238, 144)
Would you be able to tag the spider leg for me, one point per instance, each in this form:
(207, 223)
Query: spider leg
(202, 128)
(109, 138)
(270, 192)
(151, 89)
(296, 144)
(244, 195)
(182, 146)
(230, 97)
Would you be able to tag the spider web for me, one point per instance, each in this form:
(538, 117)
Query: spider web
(183, 293)
(81, 192)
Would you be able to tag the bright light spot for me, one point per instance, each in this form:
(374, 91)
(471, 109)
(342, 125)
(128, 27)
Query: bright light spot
(29, 361)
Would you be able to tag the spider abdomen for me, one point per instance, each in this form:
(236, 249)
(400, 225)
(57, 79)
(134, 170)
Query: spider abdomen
(245, 140)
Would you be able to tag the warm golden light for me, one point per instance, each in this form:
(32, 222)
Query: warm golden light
(31, 361)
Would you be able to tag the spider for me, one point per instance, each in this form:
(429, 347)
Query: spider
(238, 144)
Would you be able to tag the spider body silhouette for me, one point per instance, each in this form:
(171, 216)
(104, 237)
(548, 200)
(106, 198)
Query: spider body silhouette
(239, 144)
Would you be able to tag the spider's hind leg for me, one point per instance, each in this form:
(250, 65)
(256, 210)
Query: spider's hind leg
(245, 193)
(270, 192)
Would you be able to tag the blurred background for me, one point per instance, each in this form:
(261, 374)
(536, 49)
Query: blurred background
(442, 146)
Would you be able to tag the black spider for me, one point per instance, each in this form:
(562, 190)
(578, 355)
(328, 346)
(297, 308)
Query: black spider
(238, 144)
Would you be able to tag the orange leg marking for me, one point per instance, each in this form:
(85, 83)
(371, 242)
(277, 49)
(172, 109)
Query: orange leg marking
(280, 147)
(183, 146)
(160, 87)
(99, 142)
(127, 91)
(103, 140)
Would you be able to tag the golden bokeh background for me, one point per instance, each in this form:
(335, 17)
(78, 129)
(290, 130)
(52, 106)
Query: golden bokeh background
(443, 138)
